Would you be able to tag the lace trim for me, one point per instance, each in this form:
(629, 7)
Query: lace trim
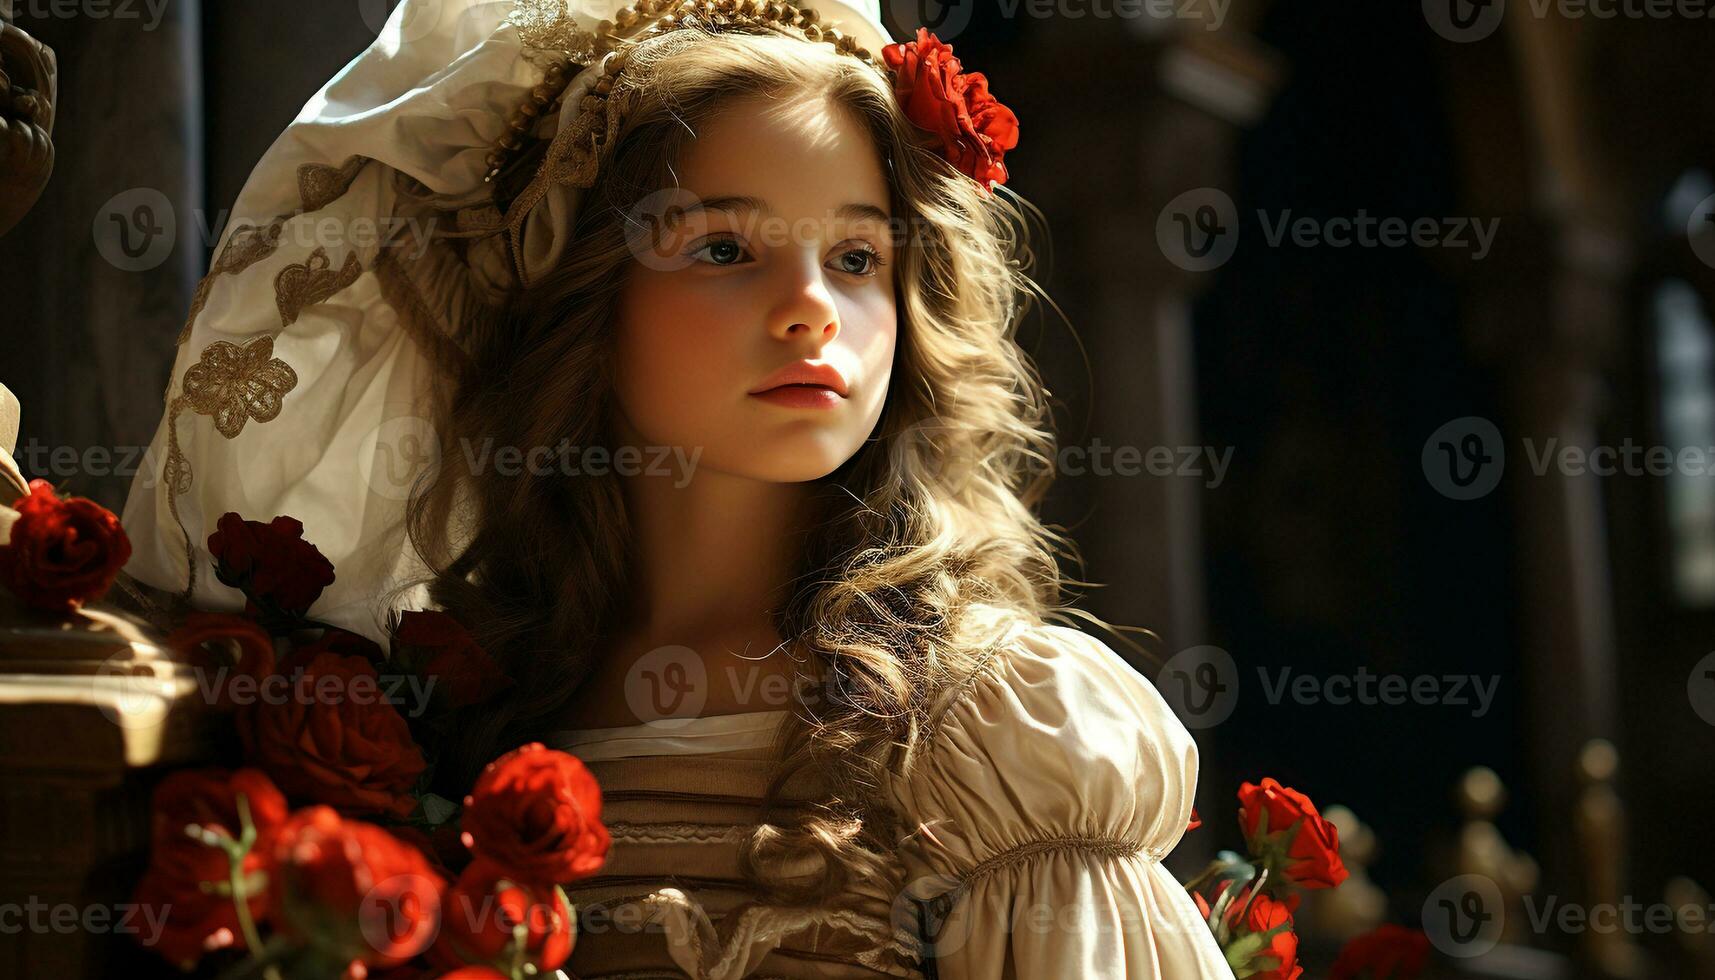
(546, 24)
(674, 833)
(1111, 847)
(319, 185)
(312, 281)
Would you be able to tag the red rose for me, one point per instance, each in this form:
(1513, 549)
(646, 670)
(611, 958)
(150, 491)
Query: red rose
(326, 733)
(479, 912)
(198, 920)
(536, 812)
(1195, 822)
(272, 563)
(434, 644)
(245, 651)
(62, 552)
(1265, 925)
(352, 889)
(937, 95)
(1282, 827)
(1388, 953)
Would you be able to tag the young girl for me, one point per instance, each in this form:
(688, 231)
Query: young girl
(734, 468)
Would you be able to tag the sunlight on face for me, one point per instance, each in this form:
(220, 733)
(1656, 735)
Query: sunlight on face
(801, 274)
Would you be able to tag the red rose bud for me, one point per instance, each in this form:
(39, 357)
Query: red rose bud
(479, 913)
(937, 95)
(61, 553)
(272, 563)
(1388, 953)
(353, 890)
(536, 812)
(1286, 833)
(435, 645)
(1263, 944)
(329, 735)
(189, 880)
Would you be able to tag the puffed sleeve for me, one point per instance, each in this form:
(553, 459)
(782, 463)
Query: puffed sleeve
(1045, 798)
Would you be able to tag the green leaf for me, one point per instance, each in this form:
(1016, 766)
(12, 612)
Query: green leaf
(438, 809)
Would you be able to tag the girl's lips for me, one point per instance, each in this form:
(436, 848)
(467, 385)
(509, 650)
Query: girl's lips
(800, 396)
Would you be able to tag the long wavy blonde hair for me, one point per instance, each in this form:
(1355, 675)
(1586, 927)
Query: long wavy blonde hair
(932, 517)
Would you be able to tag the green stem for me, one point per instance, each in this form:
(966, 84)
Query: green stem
(236, 853)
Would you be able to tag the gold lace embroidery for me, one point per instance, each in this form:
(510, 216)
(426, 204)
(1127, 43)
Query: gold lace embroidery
(248, 244)
(310, 282)
(547, 25)
(233, 385)
(319, 184)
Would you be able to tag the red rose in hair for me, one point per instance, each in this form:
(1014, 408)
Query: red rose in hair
(1388, 953)
(352, 889)
(938, 95)
(271, 563)
(479, 912)
(434, 644)
(198, 920)
(62, 552)
(536, 812)
(326, 733)
(251, 656)
(1284, 829)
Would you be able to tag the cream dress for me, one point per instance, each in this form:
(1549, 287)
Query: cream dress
(1051, 788)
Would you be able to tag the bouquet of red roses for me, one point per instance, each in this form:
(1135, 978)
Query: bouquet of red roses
(1249, 900)
(325, 853)
(372, 870)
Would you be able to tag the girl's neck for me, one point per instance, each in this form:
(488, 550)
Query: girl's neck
(711, 554)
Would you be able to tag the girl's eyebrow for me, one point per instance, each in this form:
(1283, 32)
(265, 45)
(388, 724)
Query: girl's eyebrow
(733, 203)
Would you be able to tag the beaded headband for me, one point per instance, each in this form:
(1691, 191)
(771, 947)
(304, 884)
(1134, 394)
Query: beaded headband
(937, 95)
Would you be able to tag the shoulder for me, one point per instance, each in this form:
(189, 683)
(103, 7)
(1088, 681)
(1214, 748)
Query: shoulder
(1055, 737)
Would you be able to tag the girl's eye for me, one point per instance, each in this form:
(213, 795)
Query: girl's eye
(868, 261)
(722, 251)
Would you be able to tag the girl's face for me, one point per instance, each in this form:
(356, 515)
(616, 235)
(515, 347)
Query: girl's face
(770, 264)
